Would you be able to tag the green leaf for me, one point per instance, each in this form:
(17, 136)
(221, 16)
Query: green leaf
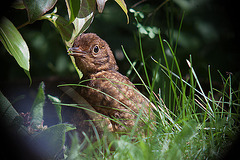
(87, 7)
(14, 43)
(81, 16)
(37, 8)
(7, 112)
(80, 8)
(66, 30)
(58, 107)
(10, 118)
(82, 24)
(122, 4)
(73, 9)
(52, 139)
(29, 76)
(37, 107)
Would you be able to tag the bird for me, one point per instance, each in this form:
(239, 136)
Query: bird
(109, 92)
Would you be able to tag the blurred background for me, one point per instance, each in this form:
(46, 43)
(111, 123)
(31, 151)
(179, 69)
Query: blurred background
(209, 33)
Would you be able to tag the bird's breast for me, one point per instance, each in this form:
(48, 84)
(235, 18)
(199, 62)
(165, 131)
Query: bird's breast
(110, 85)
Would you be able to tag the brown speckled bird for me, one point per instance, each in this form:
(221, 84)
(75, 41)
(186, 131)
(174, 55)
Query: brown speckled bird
(109, 92)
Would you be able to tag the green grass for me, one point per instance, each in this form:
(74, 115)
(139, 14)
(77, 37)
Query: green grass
(194, 125)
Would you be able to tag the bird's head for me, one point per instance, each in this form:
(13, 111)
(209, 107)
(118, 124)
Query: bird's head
(92, 54)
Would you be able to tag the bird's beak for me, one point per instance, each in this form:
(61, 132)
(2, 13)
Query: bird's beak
(75, 51)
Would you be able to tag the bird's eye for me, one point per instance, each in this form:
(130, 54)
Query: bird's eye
(95, 49)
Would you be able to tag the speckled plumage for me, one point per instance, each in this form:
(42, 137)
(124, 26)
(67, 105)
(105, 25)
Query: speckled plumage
(109, 92)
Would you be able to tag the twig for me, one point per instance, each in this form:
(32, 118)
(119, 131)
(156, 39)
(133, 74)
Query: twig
(150, 14)
(136, 4)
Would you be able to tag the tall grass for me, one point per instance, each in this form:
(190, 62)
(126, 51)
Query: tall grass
(195, 125)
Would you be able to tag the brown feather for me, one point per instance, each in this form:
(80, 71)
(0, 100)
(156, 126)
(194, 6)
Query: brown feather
(108, 91)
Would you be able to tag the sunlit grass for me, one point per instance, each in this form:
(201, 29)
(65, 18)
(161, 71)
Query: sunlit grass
(195, 125)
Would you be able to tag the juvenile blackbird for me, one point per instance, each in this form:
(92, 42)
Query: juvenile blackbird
(109, 92)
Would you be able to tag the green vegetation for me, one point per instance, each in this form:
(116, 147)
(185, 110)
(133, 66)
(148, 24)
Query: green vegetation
(196, 125)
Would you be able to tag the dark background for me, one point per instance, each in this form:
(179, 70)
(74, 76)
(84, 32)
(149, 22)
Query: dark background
(210, 34)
